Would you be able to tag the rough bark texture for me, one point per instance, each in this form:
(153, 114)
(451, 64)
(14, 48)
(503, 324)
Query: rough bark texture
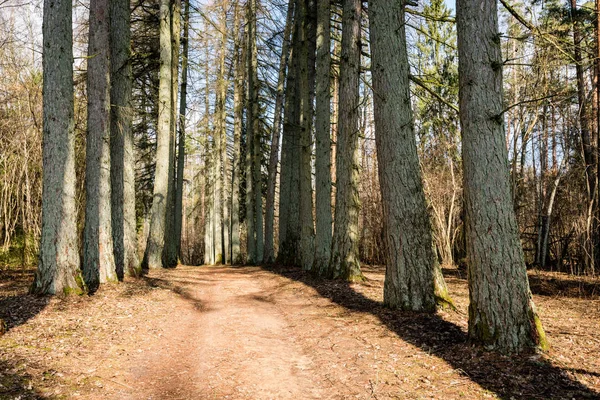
(501, 311)
(170, 250)
(307, 91)
(98, 258)
(254, 119)
(121, 143)
(58, 267)
(344, 262)
(323, 217)
(158, 213)
(181, 132)
(238, 105)
(410, 256)
(269, 254)
(289, 200)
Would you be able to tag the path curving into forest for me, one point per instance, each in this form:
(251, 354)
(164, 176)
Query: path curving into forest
(229, 341)
(221, 332)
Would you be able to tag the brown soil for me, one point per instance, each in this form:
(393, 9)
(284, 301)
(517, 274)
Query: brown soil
(253, 333)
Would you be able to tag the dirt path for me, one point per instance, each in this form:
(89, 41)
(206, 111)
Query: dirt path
(250, 333)
(232, 343)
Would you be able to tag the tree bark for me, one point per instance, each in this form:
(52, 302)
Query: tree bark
(181, 136)
(501, 312)
(238, 105)
(411, 261)
(158, 213)
(58, 265)
(121, 143)
(269, 255)
(98, 258)
(170, 250)
(345, 262)
(323, 216)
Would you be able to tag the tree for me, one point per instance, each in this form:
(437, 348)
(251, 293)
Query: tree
(323, 217)
(58, 267)
(158, 213)
(98, 258)
(344, 262)
(411, 262)
(170, 255)
(181, 138)
(122, 156)
(269, 254)
(501, 311)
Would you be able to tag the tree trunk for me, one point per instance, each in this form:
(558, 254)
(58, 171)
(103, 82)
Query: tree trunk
(307, 93)
(501, 311)
(238, 105)
(269, 256)
(289, 204)
(411, 261)
(170, 249)
(250, 230)
(98, 258)
(121, 143)
(181, 138)
(323, 141)
(58, 267)
(158, 213)
(345, 262)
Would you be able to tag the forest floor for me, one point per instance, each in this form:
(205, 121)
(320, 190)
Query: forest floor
(254, 333)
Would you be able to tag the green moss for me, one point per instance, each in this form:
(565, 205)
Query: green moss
(443, 300)
(542, 341)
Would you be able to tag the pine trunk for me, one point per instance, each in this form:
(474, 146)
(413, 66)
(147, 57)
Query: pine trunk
(98, 258)
(170, 250)
(345, 262)
(409, 252)
(181, 138)
(121, 143)
(158, 213)
(58, 266)
(501, 311)
(269, 256)
(323, 141)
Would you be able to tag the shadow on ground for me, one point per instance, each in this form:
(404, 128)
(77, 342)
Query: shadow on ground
(15, 384)
(16, 306)
(522, 377)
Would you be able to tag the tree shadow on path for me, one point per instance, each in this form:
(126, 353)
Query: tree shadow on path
(519, 377)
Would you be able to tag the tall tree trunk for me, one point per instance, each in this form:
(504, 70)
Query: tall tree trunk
(345, 262)
(238, 110)
(255, 217)
(501, 311)
(220, 142)
(98, 258)
(307, 93)
(181, 138)
(170, 250)
(58, 266)
(289, 203)
(411, 261)
(269, 255)
(121, 143)
(250, 229)
(323, 217)
(158, 213)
